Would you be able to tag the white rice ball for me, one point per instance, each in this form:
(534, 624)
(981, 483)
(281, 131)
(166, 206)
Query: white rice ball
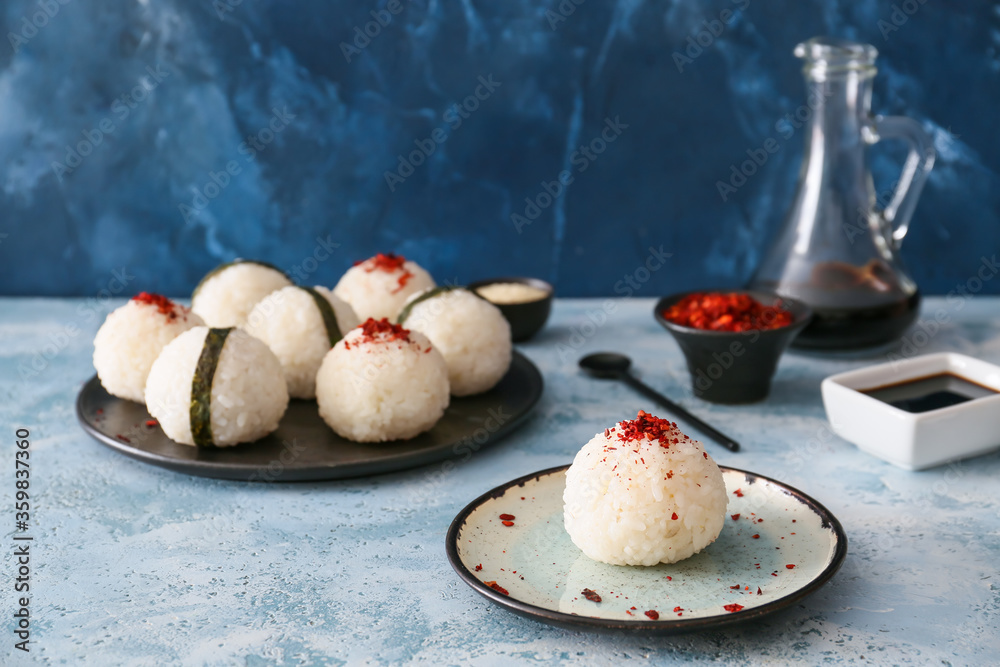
(643, 493)
(471, 333)
(132, 337)
(290, 323)
(382, 382)
(225, 296)
(378, 287)
(248, 396)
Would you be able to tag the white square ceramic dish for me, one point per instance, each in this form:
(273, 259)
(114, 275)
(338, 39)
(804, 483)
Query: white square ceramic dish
(915, 440)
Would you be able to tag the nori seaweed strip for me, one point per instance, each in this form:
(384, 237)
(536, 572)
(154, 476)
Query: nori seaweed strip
(329, 317)
(222, 267)
(429, 294)
(201, 387)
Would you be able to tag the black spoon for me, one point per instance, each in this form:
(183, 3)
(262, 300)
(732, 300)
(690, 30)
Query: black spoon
(612, 366)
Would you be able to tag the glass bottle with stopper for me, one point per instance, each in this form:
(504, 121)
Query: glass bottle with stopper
(837, 251)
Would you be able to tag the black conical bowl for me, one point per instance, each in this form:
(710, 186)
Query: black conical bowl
(734, 367)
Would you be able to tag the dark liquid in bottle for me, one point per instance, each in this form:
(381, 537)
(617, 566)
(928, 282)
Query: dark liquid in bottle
(855, 307)
(930, 392)
(852, 328)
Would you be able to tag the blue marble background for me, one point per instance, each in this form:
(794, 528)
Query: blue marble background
(162, 95)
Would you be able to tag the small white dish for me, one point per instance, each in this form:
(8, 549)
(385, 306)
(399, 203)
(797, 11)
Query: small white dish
(915, 440)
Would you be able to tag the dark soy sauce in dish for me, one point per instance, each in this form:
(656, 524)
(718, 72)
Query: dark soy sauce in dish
(930, 392)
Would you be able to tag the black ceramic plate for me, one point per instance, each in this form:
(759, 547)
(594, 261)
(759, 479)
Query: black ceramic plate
(538, 572)
(304, 448)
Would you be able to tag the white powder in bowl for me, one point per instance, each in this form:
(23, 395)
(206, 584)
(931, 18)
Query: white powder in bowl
(507, 293)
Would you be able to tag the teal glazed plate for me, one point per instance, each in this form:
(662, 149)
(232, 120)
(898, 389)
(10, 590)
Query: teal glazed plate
(783, 546)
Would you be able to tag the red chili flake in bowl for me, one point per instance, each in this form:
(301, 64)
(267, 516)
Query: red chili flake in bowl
(590, 595)
(738, 493)
(646, 428)
(390, 263)
(790, 567)
(164, 305)
(152, 423)
(507, 517)
(735, 517)
(678, 608)
(383, 331)
(674, 516)
(734, 588)
(497, 587)
(758, 591)
(756, 537)
(507, 523)
(653, 615)
(732, 311)
(732, 608)
(479, 567)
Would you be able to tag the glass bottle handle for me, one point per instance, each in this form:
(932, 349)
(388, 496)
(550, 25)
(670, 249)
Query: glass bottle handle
(915, 170)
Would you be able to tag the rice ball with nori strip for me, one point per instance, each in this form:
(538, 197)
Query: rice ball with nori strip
(227, 294)
(382, 382)
(216, 387)
(131, 338)
(300, 325)
(378, 287)
(471, 333)
(643, 493)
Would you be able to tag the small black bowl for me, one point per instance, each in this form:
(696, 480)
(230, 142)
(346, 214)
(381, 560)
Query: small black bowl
(526, 319)
(734, 367)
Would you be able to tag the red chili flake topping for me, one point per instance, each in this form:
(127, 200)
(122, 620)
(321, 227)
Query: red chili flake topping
(674, 516)
(653, 614)
(390, 263)
(670, 578)
(678, 608)
(734, 588)
(758, 591)
(507, 523)
(738, 493)
(735, 517)
(717, 311)
(479, 567)
(507, 517)
(164, 305)
(590, 595)
(733, 608)
(497, 587)
(383, 331)
(756, 537)
(151, 423)
(705, 454)
(670, 474)
(646, 427)
(790, 567)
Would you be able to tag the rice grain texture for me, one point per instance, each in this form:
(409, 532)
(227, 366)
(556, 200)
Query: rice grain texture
(642, 501)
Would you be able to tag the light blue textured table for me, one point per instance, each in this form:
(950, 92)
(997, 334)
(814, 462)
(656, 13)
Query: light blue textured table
(135, 564)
